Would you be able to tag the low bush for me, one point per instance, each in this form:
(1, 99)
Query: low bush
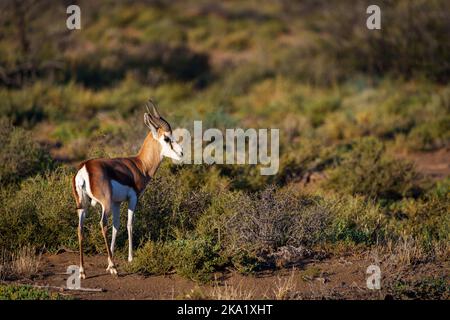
(21, 156)
(301, 160)
(193, 258)
(426, 219)
(430, 136)
(367, 170)
(356, 221)
(153, 258)
(42, 212)
(423, 289)
(249, 227)
(274, 218)
(26, 292)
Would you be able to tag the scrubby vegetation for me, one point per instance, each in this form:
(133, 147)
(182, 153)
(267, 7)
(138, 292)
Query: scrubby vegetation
(348, 102)
(366, 170)
(21, 263)
(21, 155)
(17, 292)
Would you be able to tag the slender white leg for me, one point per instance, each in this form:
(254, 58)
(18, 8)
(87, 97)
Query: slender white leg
(131, 207)
(116, 223)
(81, 217)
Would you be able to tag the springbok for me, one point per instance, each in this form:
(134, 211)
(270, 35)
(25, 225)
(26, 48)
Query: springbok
(112, 181)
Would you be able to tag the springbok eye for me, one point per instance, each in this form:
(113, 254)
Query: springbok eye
(167, 139)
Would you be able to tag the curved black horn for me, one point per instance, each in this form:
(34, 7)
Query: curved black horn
(162, 123)
(165, 125)
(156, 118)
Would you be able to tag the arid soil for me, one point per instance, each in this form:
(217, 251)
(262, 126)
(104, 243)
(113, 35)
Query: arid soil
(435, 165)
(334, 278)
(314, 279)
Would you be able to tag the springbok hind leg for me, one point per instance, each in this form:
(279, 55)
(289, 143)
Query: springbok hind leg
(81, 216)
(116, 224)
(104, 226)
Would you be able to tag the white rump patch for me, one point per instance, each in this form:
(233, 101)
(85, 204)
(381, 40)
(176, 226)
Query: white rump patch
(83, 185)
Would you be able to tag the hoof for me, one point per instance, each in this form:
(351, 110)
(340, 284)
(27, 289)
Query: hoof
(112, 270)
(82, 275)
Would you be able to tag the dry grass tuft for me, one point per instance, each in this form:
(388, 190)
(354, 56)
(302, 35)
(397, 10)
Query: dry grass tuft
(406, 252)
(229, 292)
(409, 252)
(23, 263)
(284, 288)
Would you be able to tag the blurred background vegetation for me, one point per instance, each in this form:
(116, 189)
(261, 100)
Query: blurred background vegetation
(353, 106)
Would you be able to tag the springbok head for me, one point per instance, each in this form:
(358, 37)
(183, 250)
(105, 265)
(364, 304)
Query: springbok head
(162, 132)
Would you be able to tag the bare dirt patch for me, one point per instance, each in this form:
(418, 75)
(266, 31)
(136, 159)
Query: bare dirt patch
(435, 164)
(334, 278)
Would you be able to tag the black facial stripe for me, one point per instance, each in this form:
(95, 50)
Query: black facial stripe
(169, 141)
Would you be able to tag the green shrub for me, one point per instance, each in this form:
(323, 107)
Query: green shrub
(440, 189)
(198, 258)
(356, 221)
(42, 212)
(238, 81)
(22, 107)
(21, 156)
(179, 62)
(367, 170)
(193, 258)
(25, 292)
(425, 219)
(318, 109)
(153, 258)
(423, 289)
(431, 135)
(308, 156)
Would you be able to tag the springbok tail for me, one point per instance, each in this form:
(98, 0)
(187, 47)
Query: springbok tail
(79, 191)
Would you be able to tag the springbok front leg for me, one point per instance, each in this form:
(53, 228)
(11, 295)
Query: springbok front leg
(81, 217)
(132, 201)
(116, 224)
(104, 226)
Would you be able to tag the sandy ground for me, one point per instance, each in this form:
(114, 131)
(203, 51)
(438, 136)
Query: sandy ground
(334, 278)
(313, 279)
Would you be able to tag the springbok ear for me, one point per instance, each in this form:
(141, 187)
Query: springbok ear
(148, 122)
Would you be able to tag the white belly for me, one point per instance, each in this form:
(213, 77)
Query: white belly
(120, 192)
